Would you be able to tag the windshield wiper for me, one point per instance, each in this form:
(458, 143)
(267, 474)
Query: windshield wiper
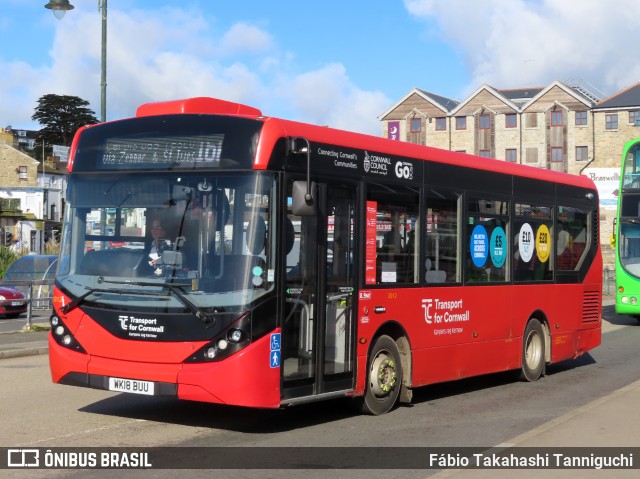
(80, 299)
(174, 288)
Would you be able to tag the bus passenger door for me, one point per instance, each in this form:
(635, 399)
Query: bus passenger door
(317, 330)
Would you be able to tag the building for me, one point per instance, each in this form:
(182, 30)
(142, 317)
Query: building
(53, 180)
(32, 199)
(560, 127)
(24, 140)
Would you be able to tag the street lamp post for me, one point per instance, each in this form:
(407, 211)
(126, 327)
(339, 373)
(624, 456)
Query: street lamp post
(103, 66)
(59, 8)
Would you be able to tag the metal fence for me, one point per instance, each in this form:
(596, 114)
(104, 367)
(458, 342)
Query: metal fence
(39, 296)
(608, 280)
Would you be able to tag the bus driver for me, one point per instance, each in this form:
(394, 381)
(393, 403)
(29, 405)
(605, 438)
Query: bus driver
(158, 245)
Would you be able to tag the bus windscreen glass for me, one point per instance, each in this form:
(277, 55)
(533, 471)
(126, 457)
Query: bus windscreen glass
(171, 243)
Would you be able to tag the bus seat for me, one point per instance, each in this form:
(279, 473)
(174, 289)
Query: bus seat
(290, 236)
(256, 235)
(436, 276)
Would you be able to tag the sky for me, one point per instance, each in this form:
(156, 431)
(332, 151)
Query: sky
(336, 63)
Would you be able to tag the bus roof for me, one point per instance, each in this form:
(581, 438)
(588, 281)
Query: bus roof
(275, 129)
(202, 105)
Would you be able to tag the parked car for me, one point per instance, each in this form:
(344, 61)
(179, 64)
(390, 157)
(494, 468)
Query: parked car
(12, 302)
(29, 269)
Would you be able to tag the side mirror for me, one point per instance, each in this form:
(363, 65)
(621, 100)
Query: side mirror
(303, 203)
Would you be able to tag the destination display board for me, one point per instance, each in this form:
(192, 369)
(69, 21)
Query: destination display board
(161, 152)
(168, 142)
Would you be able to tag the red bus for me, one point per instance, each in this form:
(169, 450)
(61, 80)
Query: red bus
(300, 262)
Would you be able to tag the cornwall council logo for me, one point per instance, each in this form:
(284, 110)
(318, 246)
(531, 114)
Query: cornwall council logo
(367, 162)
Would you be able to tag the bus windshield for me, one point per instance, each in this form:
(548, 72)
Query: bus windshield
(631, 178)
(171, 241)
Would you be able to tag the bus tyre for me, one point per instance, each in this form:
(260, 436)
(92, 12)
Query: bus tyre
(384, 377)
(533, 352)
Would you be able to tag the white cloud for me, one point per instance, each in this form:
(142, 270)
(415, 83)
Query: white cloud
(19, 96)
(167, 54)
(327, 97)
(244, 38)
(512, 43)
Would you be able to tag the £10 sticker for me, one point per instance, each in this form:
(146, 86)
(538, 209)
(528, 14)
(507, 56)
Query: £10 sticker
(526, 242)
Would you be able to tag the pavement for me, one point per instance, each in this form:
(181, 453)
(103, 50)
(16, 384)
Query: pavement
(25, 343)
(610, 421)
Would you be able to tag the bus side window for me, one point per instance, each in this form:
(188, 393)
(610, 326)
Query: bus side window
(442, 237)
(538, 219)
(573, 238)
(396, 221)
(487, 246)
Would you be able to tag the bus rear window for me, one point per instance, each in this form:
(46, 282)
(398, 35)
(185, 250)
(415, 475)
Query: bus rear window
(574, 237)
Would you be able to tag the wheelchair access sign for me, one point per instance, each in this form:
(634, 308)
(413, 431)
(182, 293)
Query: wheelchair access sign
(274, 354)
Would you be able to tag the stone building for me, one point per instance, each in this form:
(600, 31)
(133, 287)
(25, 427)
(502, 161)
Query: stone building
(31, 198)
(560, 127)
(20, 200)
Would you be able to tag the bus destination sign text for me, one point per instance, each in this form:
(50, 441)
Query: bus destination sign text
(162, 152)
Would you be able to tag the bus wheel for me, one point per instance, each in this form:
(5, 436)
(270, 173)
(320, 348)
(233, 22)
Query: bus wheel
(533, 352)
(384, 377)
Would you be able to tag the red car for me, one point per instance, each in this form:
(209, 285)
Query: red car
(12, 302)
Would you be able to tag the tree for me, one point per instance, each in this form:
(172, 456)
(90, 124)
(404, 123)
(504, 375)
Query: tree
(61, 116)
(7, 256)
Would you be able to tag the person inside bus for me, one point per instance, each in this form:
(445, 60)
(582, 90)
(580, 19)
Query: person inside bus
(159, 243)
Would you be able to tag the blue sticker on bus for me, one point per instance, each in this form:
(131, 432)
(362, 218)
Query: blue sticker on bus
(498, 247)
(479, 246)
(275, 342)
(274, 359)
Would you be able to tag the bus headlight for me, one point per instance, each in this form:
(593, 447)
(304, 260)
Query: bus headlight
(229, 341)
(62, 336)
(624, 300)
(634, 300)
(234, 335)
(210, 353)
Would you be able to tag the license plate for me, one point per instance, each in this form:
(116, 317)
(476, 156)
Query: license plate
(17, 303)
(131, 386)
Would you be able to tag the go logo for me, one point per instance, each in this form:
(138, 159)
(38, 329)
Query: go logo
(404, 170)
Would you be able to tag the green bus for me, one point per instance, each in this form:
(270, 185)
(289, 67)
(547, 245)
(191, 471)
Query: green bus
(626, 232)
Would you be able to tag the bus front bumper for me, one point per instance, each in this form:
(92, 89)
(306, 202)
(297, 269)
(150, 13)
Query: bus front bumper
(244, 379)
